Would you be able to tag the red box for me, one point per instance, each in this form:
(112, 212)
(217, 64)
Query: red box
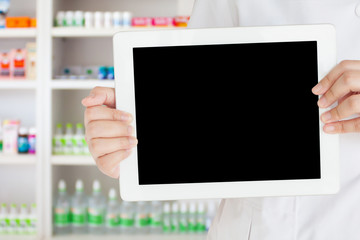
(141, 22)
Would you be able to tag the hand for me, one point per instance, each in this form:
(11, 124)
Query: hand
(108, 131)
(342, 84)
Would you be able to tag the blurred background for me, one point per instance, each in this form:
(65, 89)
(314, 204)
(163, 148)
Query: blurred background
(52, 52)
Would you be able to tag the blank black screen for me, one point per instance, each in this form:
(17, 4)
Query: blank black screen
(223, 113)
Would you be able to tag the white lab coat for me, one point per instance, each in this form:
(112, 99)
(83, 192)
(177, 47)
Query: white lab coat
(335, 217)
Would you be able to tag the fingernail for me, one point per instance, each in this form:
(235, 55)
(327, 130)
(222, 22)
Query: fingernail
(132, 141)
(317, 88)
(326, 117)
(125, 117)
(130, 130)
(329, 128)
(322, 101)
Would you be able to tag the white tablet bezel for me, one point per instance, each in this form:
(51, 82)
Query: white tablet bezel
(124, 42)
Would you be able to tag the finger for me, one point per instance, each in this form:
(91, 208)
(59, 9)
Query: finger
(100, 96)
(102, 146)
(334, 74)
(348, 82)
(109, 164)
(107, 129)
(346, 108)
(346, 126)
(105, 113)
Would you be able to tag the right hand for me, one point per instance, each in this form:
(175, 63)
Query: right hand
(109, 134)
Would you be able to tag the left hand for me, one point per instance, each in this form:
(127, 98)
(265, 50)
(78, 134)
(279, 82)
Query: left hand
(342, 84)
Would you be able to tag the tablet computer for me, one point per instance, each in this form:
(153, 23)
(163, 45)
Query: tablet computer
(226, 112)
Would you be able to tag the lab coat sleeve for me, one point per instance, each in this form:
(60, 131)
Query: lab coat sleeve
(214, 13)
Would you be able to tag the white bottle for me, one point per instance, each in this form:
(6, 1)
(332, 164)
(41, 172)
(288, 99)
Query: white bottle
(3, 218)
(13, 226)
(79, 205)
(79, 19)
(142, 217)
(117, 19)
(201, 218)
(127, 17)
(33, 220)
(98, 19)
(68, 139)
(58, 143)
(69, 18)
(175, 217)
(23, 217)
(60, 17)
(108, 22)
(210, 214)
(96, 210)
(127, 216)
(192, 217)
(89, 19)
(62, 210)
(183, 218)
(155, 217)
(166, 217)
(79, 139)
(113, 214)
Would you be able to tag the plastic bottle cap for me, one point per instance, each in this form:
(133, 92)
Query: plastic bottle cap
(62, 186)
(79, 185)
(59, 125)
(192, 207)
(175, 207)
(96, 186)
(3, 205)
(201, 207)
(79, 125)
(33, 205)
(112, 194)
(32, 131)
(13, 205)
(23, 205)
(23, 131)
(69, 125)
(166, 207)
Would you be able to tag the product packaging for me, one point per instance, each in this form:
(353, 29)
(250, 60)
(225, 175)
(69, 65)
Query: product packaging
(18, 64)
(162, 21)
(181, 21)
(31, 61)
(18, 22)
(5, 65)
(10, 136)
(141, 22)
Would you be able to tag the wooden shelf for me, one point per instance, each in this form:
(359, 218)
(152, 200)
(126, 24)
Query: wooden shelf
(72, 160)
(81, 84)
(18, 33)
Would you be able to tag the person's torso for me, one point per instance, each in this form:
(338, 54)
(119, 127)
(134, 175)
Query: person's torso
(332, 217)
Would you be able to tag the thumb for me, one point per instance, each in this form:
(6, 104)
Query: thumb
(100, 96)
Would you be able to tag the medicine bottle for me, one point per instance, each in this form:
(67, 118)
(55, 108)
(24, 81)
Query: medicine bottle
(23, 142)
(32, 140)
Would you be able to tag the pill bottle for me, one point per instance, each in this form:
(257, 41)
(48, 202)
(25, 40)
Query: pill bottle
(60, 19)
(99, 19)
(117, 19)
(110, 73)
(32, 140)
(127, 16)
(23, 142)
(102, 74)
(69, 18)
(108, 23)
(89, 19)
(79, 18)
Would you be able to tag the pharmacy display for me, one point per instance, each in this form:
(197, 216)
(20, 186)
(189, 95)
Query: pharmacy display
(242, 106)
(95, 214)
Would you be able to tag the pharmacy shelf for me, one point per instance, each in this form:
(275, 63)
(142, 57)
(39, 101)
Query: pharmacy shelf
(18, 33)
(18, 237)
(74, 160)
(135, 237)
(62, 32)
(17, 159)
(80, 84)
(17, 84)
